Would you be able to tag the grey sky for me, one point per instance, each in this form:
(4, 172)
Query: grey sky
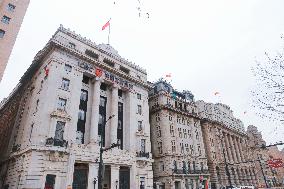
(207, 45)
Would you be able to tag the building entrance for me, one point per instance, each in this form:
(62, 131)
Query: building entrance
(80, 176)
(124, 178)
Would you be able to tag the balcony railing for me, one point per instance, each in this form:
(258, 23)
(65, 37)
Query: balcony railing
(56, 142)
(143, 154)
(184, 171)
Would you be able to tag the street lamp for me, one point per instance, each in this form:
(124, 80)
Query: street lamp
(100, 174)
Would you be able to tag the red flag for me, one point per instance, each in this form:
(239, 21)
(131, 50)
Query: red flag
(106, 25)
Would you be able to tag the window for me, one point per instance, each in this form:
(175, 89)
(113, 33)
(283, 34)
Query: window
(172, 131)
(140, 128)
(139, 109)
(125, 70)
(102, 102)
(197, 135)
(68, 68)
(179, 132)
(170, 117)
(162, 166)
(11, 7)
(199, 150)
(81, 115)
(65, 84)
(173, 146)
(85, 79)
(5, 19)
(191, 149)
(158, 117)
(59, 131)
(160, 149)
(61, 105)
(184, 133)
(186, 148)
(119, 124)
(181, 148)
(138, 96)
(49, 181)
(2, 33)
(72, 45)
(120, 93)
(103, 87)
(143, 147)
(159, 133)
(142, 183)
(84, 95)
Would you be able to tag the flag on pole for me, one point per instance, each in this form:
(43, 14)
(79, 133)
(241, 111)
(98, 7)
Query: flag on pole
(216, 93)
(106, 25)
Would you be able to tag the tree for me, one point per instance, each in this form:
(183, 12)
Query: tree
(268, 95)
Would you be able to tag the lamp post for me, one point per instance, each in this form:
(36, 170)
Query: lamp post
(100, 175)
(95, 182)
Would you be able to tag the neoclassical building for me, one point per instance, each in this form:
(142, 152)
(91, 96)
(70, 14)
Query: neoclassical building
(226, 143)
(177, 139)
(52, 124)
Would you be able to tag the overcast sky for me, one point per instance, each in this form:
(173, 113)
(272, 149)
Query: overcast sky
(207, 46)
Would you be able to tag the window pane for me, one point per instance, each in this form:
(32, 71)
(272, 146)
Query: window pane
(5, 19)
(11, 7)
(49, 181)
(68, 68)
(59, 130)
(2, 33)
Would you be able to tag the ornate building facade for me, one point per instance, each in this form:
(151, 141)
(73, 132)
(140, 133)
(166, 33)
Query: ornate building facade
(177, 141)
(56, 117)
(12, 13)
(226, 145)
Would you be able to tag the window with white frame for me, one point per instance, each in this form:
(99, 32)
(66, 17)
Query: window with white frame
(61, 105)
(172, 131)
(59, 131)
(65, 84)
(142, 183)
(173, 146)
(138, 96)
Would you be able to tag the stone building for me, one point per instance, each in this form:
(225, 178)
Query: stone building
(259, 155)
(53, 121)
(225, 139)
(12, 13)
(177, 142)
(277, 174)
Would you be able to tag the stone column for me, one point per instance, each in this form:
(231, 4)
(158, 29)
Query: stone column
(228, 148)
(70, 170)
(240, 149)
(95, 112)
(93, 174)
(114, 111)
(133, 178)
(237, 149)
(232, 148)
(114, 177)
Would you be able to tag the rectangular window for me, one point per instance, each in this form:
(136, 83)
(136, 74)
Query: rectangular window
(139, 109)
(173, 146)
(140, 128)
(72, 45)
(49, 181)
(162, 166)
(11, 7)
(2, 33)
(65, 84)
(81, 115)
(142, 183)
(59, 131)
(160, 147)
(119, 93)
(138, 96)
(85, 79)
(61, 105)
(179, 132)
(84, 95)
(172, 131)
(5, 19)
(68, 68)
(159, 133)
(182, 148)
(143, 147)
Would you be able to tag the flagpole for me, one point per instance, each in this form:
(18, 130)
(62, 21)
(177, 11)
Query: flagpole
(108, 34)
